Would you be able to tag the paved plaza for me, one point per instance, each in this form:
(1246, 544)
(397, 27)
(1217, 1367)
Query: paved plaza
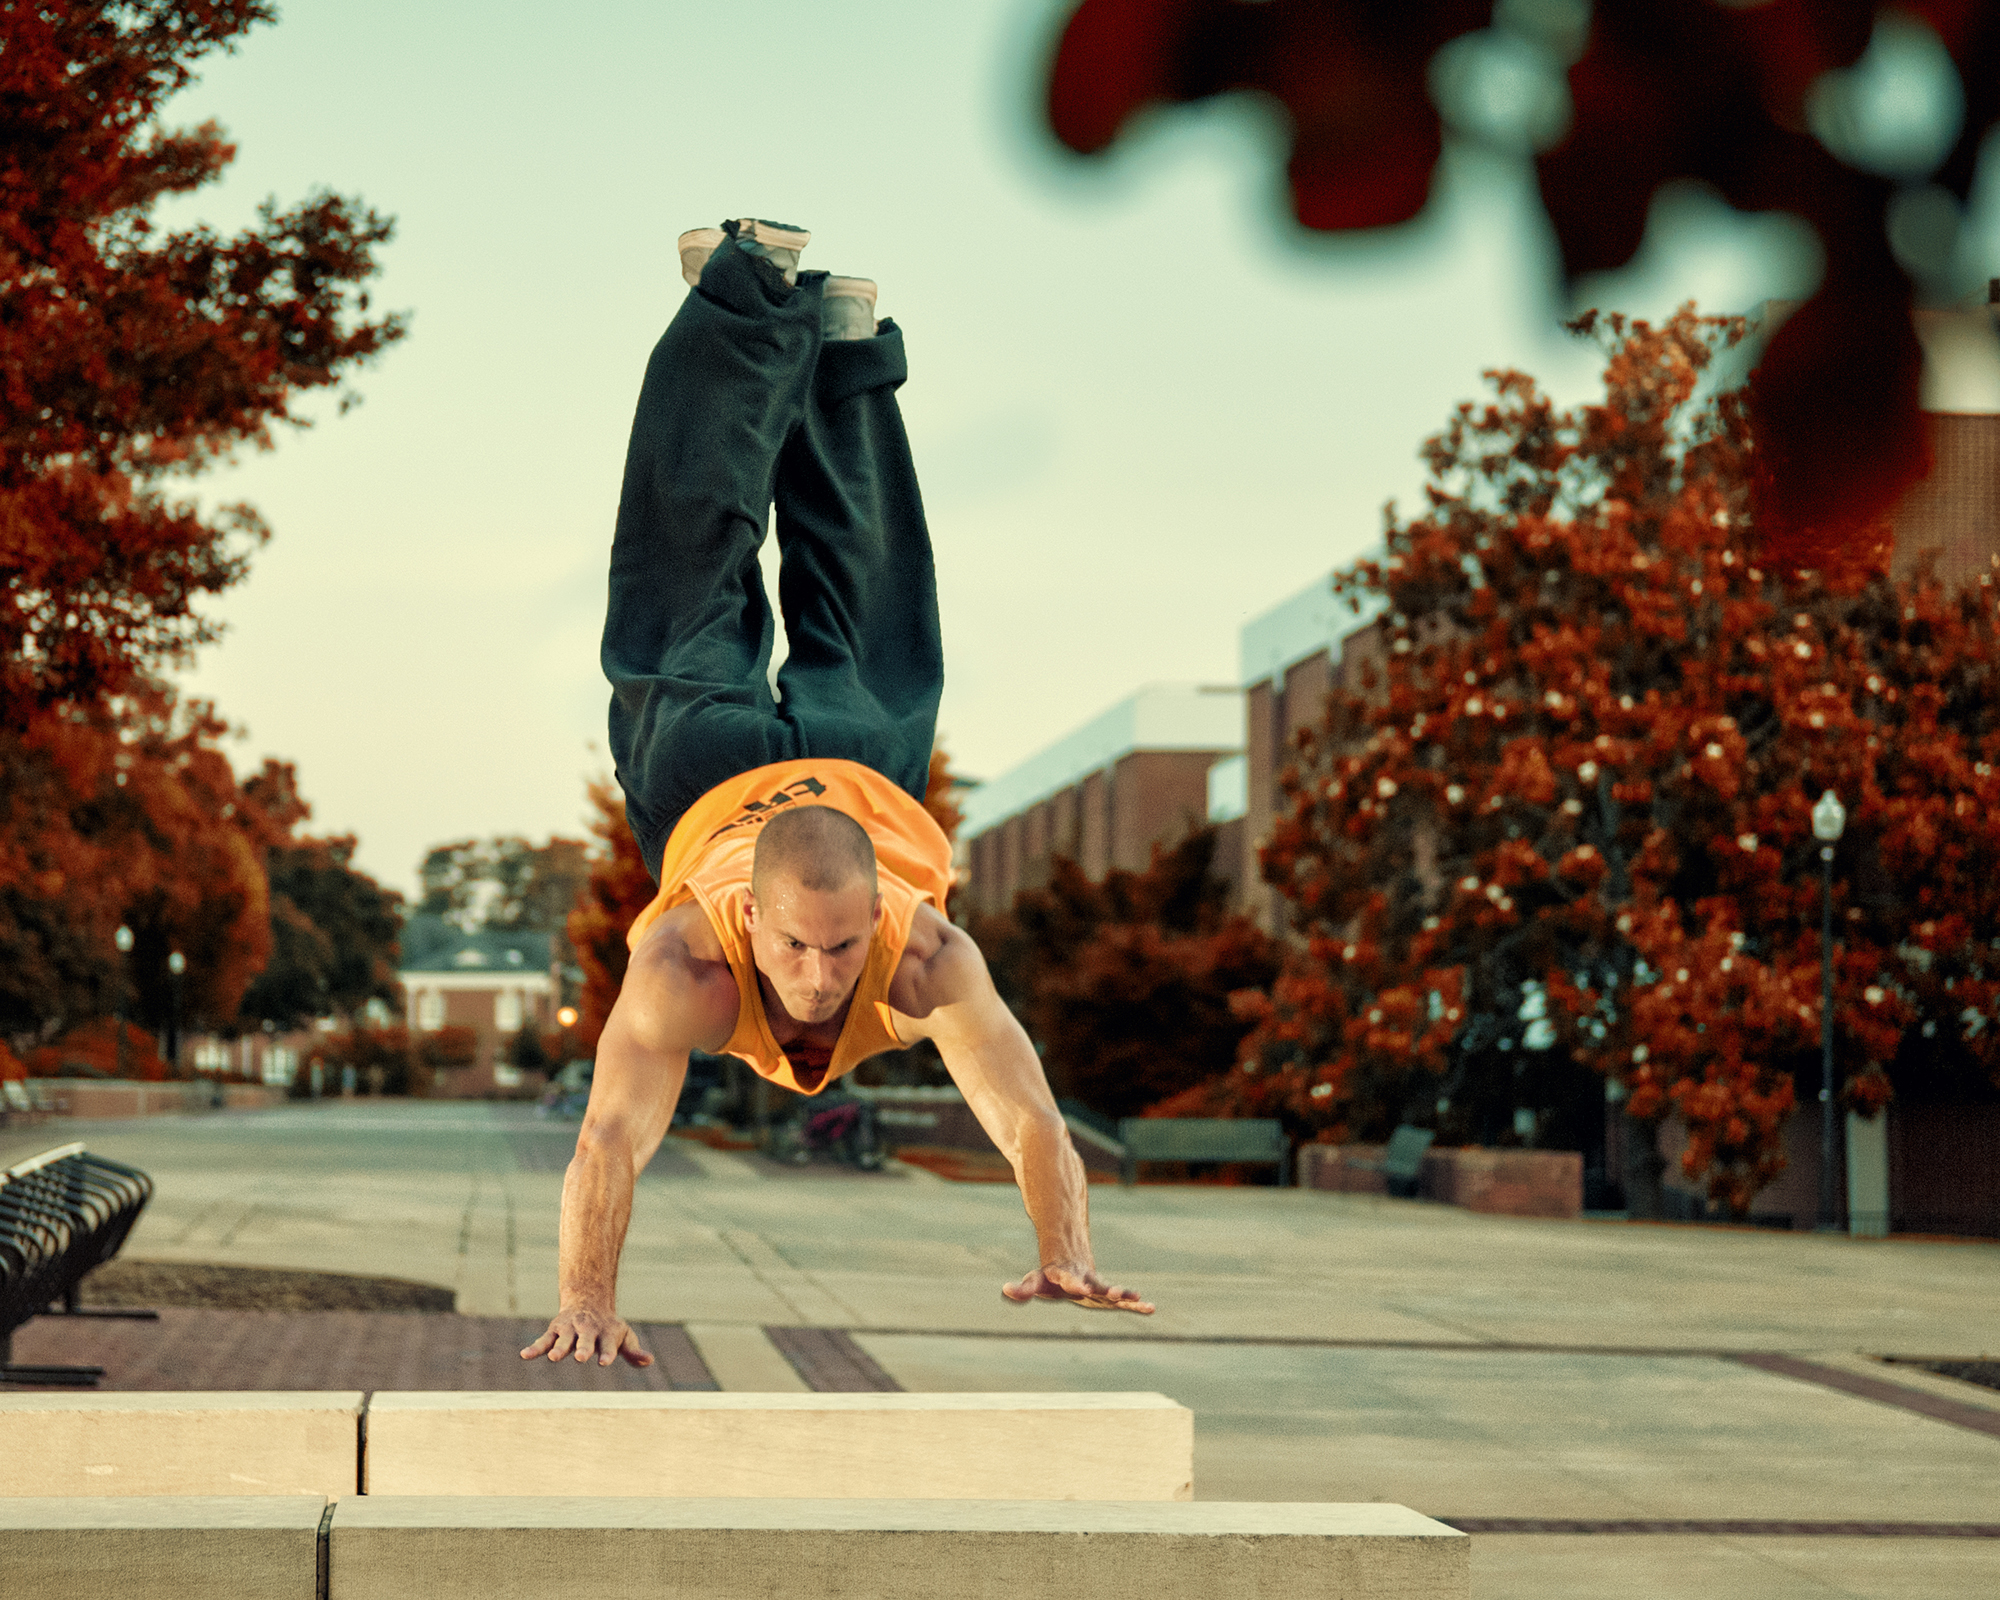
(1585, 1395)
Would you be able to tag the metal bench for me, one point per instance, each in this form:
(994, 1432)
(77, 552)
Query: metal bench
(1202, 1139)
(1403, 1162)
(62, 1213)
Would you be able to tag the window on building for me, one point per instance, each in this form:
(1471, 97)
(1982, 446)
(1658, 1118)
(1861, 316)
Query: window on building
(430, 1009)
(507, 1010)
(211, 1055)
(281, 1065)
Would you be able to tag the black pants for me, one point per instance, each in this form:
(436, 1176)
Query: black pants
(743, 404)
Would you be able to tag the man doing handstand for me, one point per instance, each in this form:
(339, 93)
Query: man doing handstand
(800, 917)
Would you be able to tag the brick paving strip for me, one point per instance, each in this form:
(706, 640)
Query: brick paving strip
(201, 1350)
(1980, 1419)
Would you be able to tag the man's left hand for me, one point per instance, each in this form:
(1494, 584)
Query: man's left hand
(1079, 1285)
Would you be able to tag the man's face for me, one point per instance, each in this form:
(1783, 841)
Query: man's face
(810, 944)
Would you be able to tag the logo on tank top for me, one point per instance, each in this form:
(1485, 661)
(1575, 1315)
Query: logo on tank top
(755, 812)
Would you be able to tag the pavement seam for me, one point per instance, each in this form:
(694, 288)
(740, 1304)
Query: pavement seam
(1977, 1419)
(322, 1555)
(513, 1297)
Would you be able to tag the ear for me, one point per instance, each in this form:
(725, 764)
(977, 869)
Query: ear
(750, 910)
(875, 913)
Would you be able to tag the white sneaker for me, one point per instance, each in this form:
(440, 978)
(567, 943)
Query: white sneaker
(696, 246)
(777, 242)
(847, 309)
(773, 241)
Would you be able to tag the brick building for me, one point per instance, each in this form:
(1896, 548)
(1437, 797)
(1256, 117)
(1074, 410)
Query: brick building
(1290, 657)
(493, 983)
(1135, 776)
(1956, 510)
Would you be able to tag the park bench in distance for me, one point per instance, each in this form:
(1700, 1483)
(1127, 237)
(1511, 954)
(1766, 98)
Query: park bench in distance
(1403, 1162)
(62, 1213)
(1202, 1139)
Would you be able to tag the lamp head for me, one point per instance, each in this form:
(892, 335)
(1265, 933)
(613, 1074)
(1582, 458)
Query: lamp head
(1829, 818)
(176, 963)
(123, 939)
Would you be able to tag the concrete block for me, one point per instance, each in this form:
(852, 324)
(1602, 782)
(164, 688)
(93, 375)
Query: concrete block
(868, 1446)
(386, 1548)
(199, 1443)
(1868, 1176)
(1515, 1183)
(1508, 1183)
(189, 1547)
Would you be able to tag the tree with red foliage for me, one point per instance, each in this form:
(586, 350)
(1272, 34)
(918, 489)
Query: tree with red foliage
(1615, 99)
(131, 358)
(942, 788)
(1565, 819)
(617, 889)
(1125, 984)
(139, 822)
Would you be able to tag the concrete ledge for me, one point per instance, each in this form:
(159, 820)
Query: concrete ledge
(186, 1547)
(783, 1446)
(207, 1443)
(122, 1097)
(620, 1549)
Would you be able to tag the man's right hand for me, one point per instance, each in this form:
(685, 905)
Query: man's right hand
(583, 1332)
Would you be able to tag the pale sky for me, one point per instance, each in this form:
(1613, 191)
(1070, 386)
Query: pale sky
(1144, 406)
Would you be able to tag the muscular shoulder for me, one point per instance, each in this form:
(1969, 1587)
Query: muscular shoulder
(941, 966)
(678, 987)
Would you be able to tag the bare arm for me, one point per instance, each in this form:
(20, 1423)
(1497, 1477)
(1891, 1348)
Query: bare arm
(995, 1066)
(642, 1060)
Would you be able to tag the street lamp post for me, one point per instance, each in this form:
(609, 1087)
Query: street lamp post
(176, 965)
(1829, 821)
(123, 940)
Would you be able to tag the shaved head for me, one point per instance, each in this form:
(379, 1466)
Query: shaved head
(816, 847)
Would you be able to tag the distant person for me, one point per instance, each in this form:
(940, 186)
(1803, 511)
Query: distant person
(800, 920)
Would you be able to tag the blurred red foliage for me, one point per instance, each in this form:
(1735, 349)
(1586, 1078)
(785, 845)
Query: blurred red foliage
(132, 356)
(1657, 90)
(90, 1050)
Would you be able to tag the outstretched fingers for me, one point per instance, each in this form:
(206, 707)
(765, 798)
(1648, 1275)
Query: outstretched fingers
(554, 1343)
(584, 1336)
(1082, 1289)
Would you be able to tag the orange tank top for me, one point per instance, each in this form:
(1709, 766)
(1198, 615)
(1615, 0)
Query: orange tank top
(708, 858)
